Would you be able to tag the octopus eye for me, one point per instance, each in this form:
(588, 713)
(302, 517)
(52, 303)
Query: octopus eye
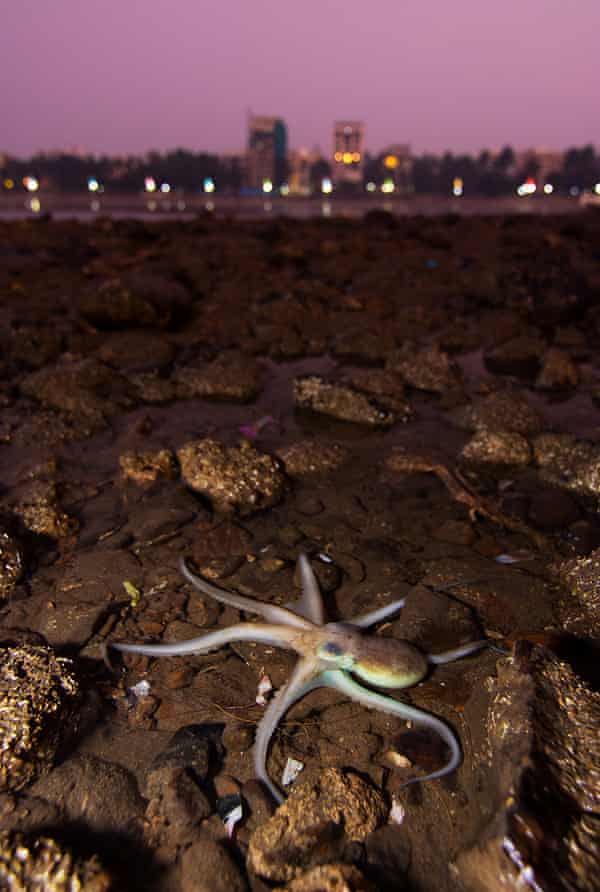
(332, 649)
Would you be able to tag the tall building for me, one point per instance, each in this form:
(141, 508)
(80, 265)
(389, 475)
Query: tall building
(266, 153)
(348, 154)
(397, 165)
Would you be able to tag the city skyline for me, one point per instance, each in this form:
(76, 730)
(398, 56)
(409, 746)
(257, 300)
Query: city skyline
(130, 78)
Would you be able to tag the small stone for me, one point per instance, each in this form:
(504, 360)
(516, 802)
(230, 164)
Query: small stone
(39, 695)
(340, 401)
(235, 478)
(41, 513)
(456, 532)
(558, 371)
(520, 356)
(238, 738)
(206, 866)
(499, 411)
(317, 824)
(231, 377)
(580, 609)
(429, 369)
(330, 878)
(569, 462)
(226, 785)
(497, 448)
(306, 457)
(147, 467)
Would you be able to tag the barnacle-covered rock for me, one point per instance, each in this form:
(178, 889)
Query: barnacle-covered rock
(317, 824)
(147, 467)
(237, 478)
(499, 411)
(429, 369)
(497, 448)
(85, 388)
(340, 401)
(540, 779)
(230, 377)
(39, 695)
(569, 462)
(40, 510)
(580, 608)
(305, 457)
(30, 863)
(11, 563)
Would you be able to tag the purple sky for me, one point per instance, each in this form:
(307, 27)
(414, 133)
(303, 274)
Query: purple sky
(130, 75)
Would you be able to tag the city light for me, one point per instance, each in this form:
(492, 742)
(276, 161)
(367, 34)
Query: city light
(285, 189)
(338, 156)
(391, 162)
(574, 191)
(93, 184)
(347, 157)
(371, 187)
(9, 183)
(31, 184)
(526, 188)
(387, 187)
(150, 184)
(35, 205)
(597, 188)
(326, 186)
(548, 188)
(208, 185)
(457, 187)
(267, 186)
(356, 157)
(165, 187)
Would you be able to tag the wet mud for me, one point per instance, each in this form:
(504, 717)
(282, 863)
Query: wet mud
(412, 403)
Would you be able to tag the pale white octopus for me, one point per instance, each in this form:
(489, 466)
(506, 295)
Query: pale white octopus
(331, 653)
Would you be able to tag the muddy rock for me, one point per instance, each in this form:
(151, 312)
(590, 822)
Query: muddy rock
(500, 410)
(340, 401)
(497, 448)
(136, 351)
(317, 824)
(11, 564)
(34, 347)
(39, 697)
(540, 768)
(102, 794)
(176, 806)
(230, 377)
(237, 478)
(569, 462)
(39, 509)
(580, 609)
(558, 371)
(430, 369)
(136, 300)
(358, 345)
(306, 457)
(207, 866)
(387, 387)
(521, 356)
(153, 388)
(330, 878)
(80, 388)
(41, 864)
(147, 467)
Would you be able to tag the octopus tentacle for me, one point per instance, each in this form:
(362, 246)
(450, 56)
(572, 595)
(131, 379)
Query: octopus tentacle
(364, 620)
(310, 604)
(267, 634)
(449, 656)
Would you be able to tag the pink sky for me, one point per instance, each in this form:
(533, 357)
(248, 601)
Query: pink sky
(131, 75)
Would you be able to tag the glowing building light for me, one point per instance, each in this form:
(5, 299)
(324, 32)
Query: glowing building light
(526, 188)
(457, 187)
(338, 156)
(371, 187)
(9, 183)
(165, 187)
(150, 184)
(597, 188)
(267, 186)
(31, 184)
(326, 186)
(93, 184)
(391, 162)
(387, 187)
(35, 205)
(574, 191)
(285, 189)
(548, 188)
(356, 157)
(208, 185)
(347, 157)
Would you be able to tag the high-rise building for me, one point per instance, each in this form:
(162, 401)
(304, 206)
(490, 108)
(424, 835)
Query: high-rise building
(266, 153)
(348, 155)
(397, 166)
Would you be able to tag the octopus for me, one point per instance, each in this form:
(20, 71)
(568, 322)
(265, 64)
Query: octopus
(338, 655)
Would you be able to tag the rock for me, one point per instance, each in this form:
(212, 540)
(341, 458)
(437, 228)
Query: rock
(231, 376)
(136, 351)
(456, 532)
(360, 345)
(65, 625)
(520, 356)
(237, 478)
(340, 401)
(306, 457)
(147, 467)
(101, 794)
(552, 509)
(497, 448)
(330, 878)
(176, 806)
(569, 462)
(207, 866)
(41, 864)
(429, 369)
(138, 300)
(539, 778)
(39, 509)
(558, 371)
(39, 696)
(150, 387)
(317, 824)
(580, 610)
(499, 411)
(11, 564)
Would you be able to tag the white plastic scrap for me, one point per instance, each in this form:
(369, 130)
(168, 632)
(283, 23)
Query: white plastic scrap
(265, 686)
(291, 771)
(397, 812)
(232, 818)
(141, 689)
